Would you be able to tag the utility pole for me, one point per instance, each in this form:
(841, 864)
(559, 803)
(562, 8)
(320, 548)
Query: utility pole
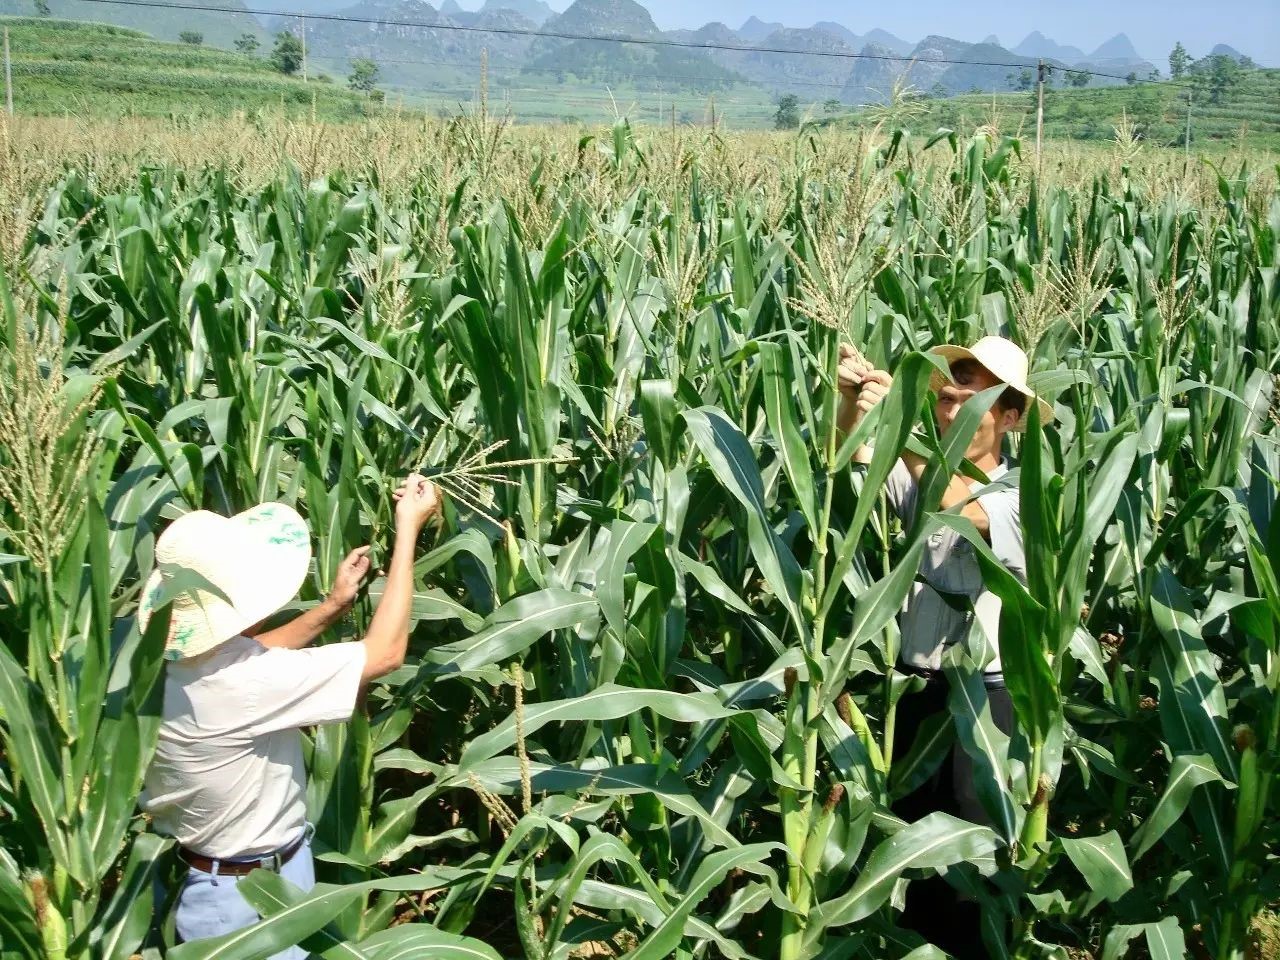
(304, 49)
(1186, 143)
(1039, 113)
(8, 75)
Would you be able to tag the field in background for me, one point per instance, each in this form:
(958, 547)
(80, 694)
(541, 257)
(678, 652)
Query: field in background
(95, 70)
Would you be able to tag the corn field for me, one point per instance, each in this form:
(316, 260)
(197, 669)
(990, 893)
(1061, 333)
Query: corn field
(650, 702)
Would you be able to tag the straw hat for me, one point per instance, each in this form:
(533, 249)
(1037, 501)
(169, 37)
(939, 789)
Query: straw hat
(1007, 363)
(257, 559)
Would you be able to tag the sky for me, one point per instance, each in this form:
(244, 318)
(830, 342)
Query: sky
(1251, 26)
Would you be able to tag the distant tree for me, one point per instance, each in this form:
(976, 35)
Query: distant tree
(1246, 63)
(939, 92)
(832, 105)
(192, 37)
(378, 96)
(1154, 75)
(42, 8)
(1179, 61)
(787, 116)
(1024, 80)
(1078, 78)
(1131, 79)
(364, 75)
(1216, 76)
(286, 55)
(247, 44)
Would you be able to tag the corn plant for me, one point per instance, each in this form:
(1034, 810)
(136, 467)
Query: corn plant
(650, 705)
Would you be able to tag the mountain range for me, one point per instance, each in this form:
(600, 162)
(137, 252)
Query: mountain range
(827, 60)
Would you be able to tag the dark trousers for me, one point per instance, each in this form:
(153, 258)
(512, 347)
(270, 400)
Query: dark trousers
(933, 908)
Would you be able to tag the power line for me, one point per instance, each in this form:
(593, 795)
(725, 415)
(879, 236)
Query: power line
(559, 35)
(726, 83)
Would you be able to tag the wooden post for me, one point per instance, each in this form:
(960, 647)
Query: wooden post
(8, 76)
(304, 49)
(1039, 113)
(1186, 144)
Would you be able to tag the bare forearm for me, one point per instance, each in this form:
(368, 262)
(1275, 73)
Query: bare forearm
(304, 628)
(846, 420)
(956, 493)
(388, 635)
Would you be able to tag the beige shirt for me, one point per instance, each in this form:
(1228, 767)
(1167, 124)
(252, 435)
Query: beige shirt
(227, 779)
(929, 623)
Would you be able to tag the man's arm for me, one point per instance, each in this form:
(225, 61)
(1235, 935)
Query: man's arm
(956, 492)
(388, 636)
(304, 628)
(861, 388)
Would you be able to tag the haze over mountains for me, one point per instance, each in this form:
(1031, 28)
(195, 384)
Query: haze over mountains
(824, 65)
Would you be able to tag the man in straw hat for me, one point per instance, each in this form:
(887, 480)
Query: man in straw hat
(949, 594)
(227, 780)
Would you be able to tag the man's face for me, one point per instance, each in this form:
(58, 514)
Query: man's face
(971, 377)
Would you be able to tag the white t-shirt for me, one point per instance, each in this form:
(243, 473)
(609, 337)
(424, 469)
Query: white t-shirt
(929, 623)
(227, 779)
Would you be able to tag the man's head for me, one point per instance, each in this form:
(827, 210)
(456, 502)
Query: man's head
(969, 377)
(227, 574)
(988, 363)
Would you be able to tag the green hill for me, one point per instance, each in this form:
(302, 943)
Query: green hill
(218, 29)
(1158, 112)
(61, 67)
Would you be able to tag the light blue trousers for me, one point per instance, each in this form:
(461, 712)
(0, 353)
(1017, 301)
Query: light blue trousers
(210, 906)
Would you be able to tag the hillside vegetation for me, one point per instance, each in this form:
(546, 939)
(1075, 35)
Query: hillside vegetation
(1157, 112)
(219, 29)
(85, 68)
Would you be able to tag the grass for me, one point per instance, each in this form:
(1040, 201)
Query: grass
(89, 69)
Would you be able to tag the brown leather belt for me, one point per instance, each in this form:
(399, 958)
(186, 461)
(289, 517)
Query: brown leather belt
(242, 866)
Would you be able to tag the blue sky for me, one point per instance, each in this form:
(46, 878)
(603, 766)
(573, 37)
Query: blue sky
(1251, 26)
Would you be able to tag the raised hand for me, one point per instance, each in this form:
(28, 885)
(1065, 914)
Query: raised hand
(417, 501)
(851, 372)
(351, 573)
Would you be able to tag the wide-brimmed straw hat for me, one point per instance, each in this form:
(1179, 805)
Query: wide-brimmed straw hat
(1007, 363)
(257, 560)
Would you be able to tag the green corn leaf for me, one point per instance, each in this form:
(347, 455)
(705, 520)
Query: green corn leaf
(1165, 940)
(511, 629)
(667, 934)
(734, 465)
(1186, 773)
(608, 702)
(935, 842)
(1193, 706)
(1102, 862)
(986, 746)
(419, 940)
(778, 379)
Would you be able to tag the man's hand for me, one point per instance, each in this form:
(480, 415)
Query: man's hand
(861, 388)
(417, 501)
(851, 373)
(304, 628)
(351, 573)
